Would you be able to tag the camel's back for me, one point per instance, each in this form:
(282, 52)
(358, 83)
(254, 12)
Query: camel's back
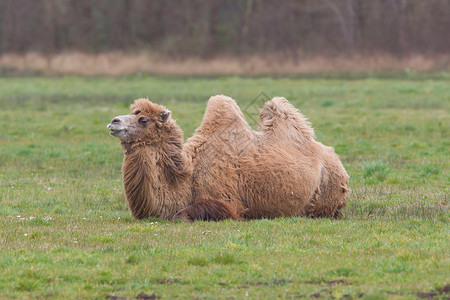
(276, 172)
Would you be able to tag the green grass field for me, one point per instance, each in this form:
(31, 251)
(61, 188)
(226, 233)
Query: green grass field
(65, 231)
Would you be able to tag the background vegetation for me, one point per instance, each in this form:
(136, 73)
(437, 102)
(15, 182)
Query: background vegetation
(223, 37)
(65, 230)
(207, 28)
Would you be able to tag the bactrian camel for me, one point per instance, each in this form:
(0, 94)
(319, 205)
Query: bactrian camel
(227, 170)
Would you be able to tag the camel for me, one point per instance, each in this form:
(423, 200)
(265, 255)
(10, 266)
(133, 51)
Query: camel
(226, 170)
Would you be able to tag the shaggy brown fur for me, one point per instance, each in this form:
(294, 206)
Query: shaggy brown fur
(227, 170)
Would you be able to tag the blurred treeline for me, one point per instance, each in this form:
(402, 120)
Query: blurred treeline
(207, 28)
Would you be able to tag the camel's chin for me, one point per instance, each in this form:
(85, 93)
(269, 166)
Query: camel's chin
(117, 133)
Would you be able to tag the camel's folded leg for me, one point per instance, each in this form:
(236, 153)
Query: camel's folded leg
(207, 210)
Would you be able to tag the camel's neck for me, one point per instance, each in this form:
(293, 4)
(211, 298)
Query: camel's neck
(157, 177)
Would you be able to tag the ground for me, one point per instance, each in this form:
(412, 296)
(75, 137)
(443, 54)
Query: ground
(65, 230)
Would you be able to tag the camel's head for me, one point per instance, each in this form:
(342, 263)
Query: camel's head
(146, 122)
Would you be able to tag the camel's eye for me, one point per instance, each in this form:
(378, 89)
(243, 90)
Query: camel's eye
(143, 120)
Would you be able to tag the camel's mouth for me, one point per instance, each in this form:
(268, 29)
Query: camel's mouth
(120, 126)
(116, 130)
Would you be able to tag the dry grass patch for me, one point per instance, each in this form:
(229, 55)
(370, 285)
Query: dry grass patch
(119, 63)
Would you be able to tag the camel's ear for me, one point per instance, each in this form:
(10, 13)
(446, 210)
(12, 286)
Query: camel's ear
(165, 115)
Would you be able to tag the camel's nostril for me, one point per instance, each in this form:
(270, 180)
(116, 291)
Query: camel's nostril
(115, 121)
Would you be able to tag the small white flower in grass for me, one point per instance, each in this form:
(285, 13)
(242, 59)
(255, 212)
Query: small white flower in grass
(101, 217)
(84, 218)
(155, 234)
(246, 294)
(18, 216)
(47, 218)
(25, 234)
(118, 218)
(31, 218)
